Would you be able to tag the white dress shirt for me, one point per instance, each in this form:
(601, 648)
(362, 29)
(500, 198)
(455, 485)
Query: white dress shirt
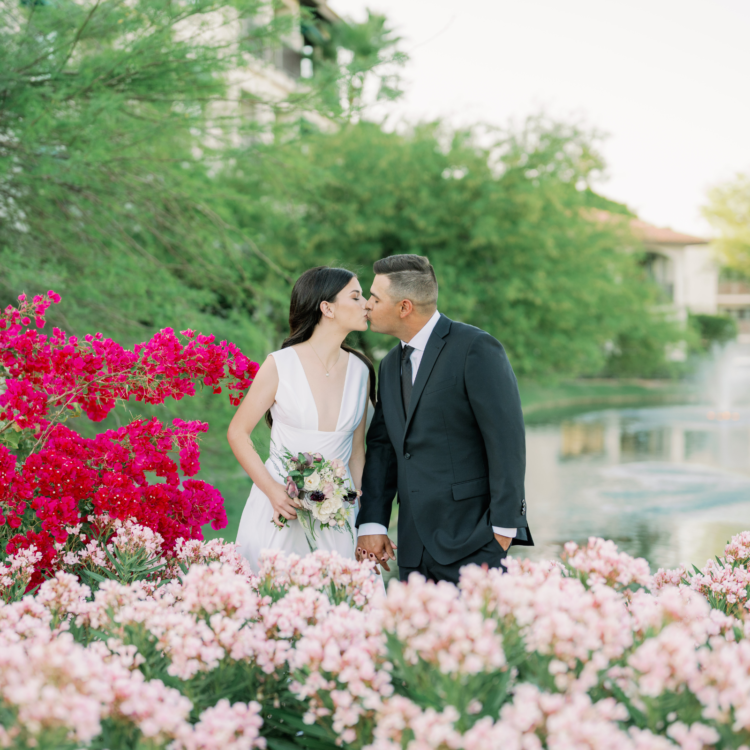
(418, 343)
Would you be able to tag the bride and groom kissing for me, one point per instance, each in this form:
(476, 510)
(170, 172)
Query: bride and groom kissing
(446, 437)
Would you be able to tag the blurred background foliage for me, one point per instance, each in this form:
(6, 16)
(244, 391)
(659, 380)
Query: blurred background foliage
(507, 226)
(131, 186)
(728, 211)
(120, 189)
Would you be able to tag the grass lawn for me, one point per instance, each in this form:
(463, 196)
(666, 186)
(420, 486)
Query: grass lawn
(536, 397)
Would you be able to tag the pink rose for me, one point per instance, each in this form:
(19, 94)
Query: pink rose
(291, 488)
(339, 469)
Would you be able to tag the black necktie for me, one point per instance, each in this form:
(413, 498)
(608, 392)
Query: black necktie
(406, 378)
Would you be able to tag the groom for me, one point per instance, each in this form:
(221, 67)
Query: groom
(447, 435)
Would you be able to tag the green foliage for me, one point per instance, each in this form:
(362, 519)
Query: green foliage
(728, 212)
(646, 350)
(714, 329)
(114, 120)
(594, 200)
(122, 186)
(127, 566)
(372, 57)
(507, 227)
(99, 184)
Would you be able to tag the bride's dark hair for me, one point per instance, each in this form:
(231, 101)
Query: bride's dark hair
(316, 285)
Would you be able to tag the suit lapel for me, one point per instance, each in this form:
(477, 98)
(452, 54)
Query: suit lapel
(434, 346)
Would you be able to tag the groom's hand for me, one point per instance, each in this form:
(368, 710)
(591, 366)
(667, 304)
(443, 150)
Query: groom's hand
(376, 547)
(503, 541)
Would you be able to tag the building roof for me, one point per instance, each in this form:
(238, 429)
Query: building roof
(663, 235)
(650, 232)
(322, 7)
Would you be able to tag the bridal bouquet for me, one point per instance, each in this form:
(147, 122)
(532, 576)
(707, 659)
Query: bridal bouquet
(321, 488)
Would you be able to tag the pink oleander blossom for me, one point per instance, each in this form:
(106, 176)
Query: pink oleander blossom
(601, 562)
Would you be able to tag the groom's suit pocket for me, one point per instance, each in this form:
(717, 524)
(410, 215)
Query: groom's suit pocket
(472, 488)
(439, 385)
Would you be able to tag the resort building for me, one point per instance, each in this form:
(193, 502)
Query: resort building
(686, 269)
(682, 265)
(276, 70)
(733, 299)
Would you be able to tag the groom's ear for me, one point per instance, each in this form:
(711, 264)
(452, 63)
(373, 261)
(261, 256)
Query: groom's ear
(406, 308)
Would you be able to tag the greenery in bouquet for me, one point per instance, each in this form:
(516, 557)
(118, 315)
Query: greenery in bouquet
(322, 490)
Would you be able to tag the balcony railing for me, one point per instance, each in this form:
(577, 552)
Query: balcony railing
(734, 287)
(283, 58)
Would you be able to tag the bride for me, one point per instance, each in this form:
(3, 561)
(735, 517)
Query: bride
(314, 394)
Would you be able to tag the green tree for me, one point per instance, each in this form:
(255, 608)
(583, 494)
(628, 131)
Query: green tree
(119, 188)
(114, 124)
(714, 329)
(728, 212)
(509, 228)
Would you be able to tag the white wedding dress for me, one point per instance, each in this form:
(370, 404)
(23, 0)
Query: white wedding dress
(295, 427)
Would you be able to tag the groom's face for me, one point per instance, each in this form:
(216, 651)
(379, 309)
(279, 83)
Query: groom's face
(383, 310)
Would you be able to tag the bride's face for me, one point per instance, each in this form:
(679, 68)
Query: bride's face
(349, 308)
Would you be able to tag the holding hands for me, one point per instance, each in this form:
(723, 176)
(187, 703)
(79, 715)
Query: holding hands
(376, 547)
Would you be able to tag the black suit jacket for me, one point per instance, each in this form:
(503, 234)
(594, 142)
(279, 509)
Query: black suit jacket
(458, 457)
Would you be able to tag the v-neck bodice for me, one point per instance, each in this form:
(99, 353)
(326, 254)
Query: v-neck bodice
(306, 380)
(295, 414)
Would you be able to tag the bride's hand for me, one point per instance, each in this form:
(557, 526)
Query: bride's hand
(282, 505)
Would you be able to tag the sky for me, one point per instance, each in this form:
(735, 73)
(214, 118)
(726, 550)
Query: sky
(667, 81)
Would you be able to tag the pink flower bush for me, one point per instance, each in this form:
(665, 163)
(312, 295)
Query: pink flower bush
(725, 582)
(438, 627)
(223, 726)
(352, 582)
(59, 490)
(311, 653)
(601, 562)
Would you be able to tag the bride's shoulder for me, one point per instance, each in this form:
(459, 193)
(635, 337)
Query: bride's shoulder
(283, 362)
(283, 355)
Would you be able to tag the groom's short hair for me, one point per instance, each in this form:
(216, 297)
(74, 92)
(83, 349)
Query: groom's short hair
(412, 277)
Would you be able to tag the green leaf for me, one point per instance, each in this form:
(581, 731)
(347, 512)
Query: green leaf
(97, 577)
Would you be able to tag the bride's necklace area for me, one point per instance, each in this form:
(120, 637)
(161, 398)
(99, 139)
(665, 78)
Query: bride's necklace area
(328, 372)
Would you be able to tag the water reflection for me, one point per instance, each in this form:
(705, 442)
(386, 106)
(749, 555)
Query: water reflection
(669, 483)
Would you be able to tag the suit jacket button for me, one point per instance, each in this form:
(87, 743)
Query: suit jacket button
(407, 456)
(523, 507)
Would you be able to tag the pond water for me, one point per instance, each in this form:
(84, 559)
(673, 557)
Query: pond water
(668, 483)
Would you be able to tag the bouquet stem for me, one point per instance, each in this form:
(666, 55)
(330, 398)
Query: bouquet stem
(308, 524)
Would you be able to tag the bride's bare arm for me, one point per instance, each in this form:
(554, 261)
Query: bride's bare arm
(357, 461)
(256, 403)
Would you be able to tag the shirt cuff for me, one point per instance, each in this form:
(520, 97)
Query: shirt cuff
(371, 528)
(511, 533)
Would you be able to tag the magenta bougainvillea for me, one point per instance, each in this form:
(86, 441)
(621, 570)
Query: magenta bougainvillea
(58, 488)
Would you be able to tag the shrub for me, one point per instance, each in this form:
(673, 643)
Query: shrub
(591, 653)
(714, 329)
(62, 494)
